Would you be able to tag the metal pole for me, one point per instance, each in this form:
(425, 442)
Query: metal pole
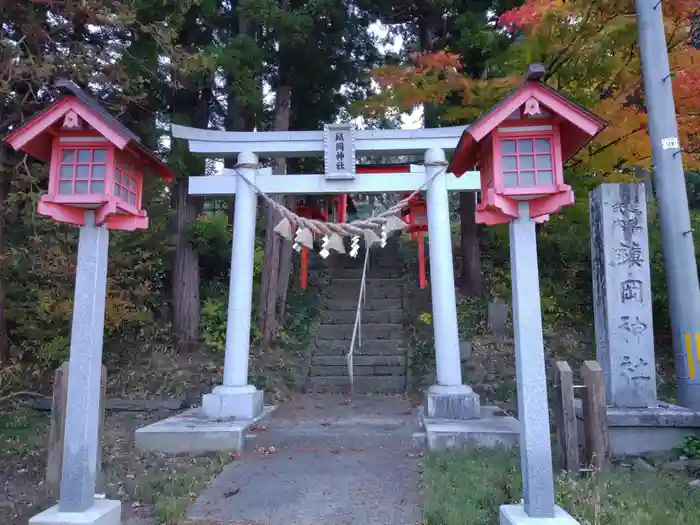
(669, 185)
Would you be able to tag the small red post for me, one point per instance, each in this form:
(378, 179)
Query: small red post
(343, 211)
(304, 267)
(421, 261)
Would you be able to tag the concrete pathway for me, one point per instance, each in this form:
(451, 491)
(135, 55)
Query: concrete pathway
(323, 460)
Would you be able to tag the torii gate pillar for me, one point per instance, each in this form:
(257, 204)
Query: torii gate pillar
(449, 398)
(235, 398)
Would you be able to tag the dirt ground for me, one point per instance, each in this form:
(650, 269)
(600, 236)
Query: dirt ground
(158, 489)
(152, 487)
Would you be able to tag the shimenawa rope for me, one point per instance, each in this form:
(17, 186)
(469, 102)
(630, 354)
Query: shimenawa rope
(346, 229)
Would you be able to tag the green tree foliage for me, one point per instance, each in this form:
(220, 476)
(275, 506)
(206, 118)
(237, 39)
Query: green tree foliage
(152, 62)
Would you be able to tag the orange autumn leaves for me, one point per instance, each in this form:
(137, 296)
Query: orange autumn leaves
(590, 49)
(431, 78)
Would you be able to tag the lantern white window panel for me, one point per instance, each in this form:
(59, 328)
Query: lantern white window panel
(527, 162)
(125, 186)
(82, 171)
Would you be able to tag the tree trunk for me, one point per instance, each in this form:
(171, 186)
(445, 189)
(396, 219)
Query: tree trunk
(185, 278)
(285, 274)
(190, 107)
(282, 117)
(272, 268)
(238, 117)
(470, 278)
(270, 273)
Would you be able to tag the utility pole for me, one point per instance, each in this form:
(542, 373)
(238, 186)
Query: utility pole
(672, 199)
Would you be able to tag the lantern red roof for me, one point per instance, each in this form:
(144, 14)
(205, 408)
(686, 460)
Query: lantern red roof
(95, 162)
(35, 136)
(577, 124)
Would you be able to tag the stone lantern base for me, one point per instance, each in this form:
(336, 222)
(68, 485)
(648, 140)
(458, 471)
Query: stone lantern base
(103, 512)
(516, 515)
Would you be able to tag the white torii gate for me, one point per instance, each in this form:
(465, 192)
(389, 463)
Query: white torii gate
(236, 398)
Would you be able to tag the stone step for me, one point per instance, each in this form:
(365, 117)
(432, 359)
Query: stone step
(372, 293)
(368, 361)
(372, 273)
(318, 371)
(370, 283)
(368, 316)
(371, 331)
(385, 262)
(370, 347)
(370, 304)
(363, 384)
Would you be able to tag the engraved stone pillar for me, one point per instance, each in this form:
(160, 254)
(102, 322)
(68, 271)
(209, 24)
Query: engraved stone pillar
(622, 294)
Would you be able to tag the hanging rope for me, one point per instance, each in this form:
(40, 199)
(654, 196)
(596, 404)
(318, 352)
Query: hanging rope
(345, 229)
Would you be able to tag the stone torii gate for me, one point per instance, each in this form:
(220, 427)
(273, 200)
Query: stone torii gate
(449, 398)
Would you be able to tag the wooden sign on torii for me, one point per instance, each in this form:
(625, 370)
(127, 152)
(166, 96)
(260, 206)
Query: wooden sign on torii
(236, 397)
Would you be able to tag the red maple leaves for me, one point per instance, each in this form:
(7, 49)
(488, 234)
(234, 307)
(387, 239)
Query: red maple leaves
(519, 17)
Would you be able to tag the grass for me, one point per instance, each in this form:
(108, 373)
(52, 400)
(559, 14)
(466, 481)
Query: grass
(467, 489)
(161, 486)
(22, 430)
(170, 487)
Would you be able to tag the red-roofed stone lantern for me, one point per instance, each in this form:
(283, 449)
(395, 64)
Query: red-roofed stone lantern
(95, 162)
(520, 147)
(96, 171)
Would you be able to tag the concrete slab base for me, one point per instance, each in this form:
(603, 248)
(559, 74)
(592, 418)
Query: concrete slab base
(516, 515)
(493, 429)
(103, 512)
(441, 403)
(636, 431)
(233, 402)
(192, 432)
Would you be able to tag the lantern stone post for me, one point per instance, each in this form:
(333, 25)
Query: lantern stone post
(533, 409)
(77, 492)
(521, 146)
(538, 504)
(449, 398)
(96, 171)
(235, 398)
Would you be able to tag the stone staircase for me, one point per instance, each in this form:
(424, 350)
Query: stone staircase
(380, 363)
